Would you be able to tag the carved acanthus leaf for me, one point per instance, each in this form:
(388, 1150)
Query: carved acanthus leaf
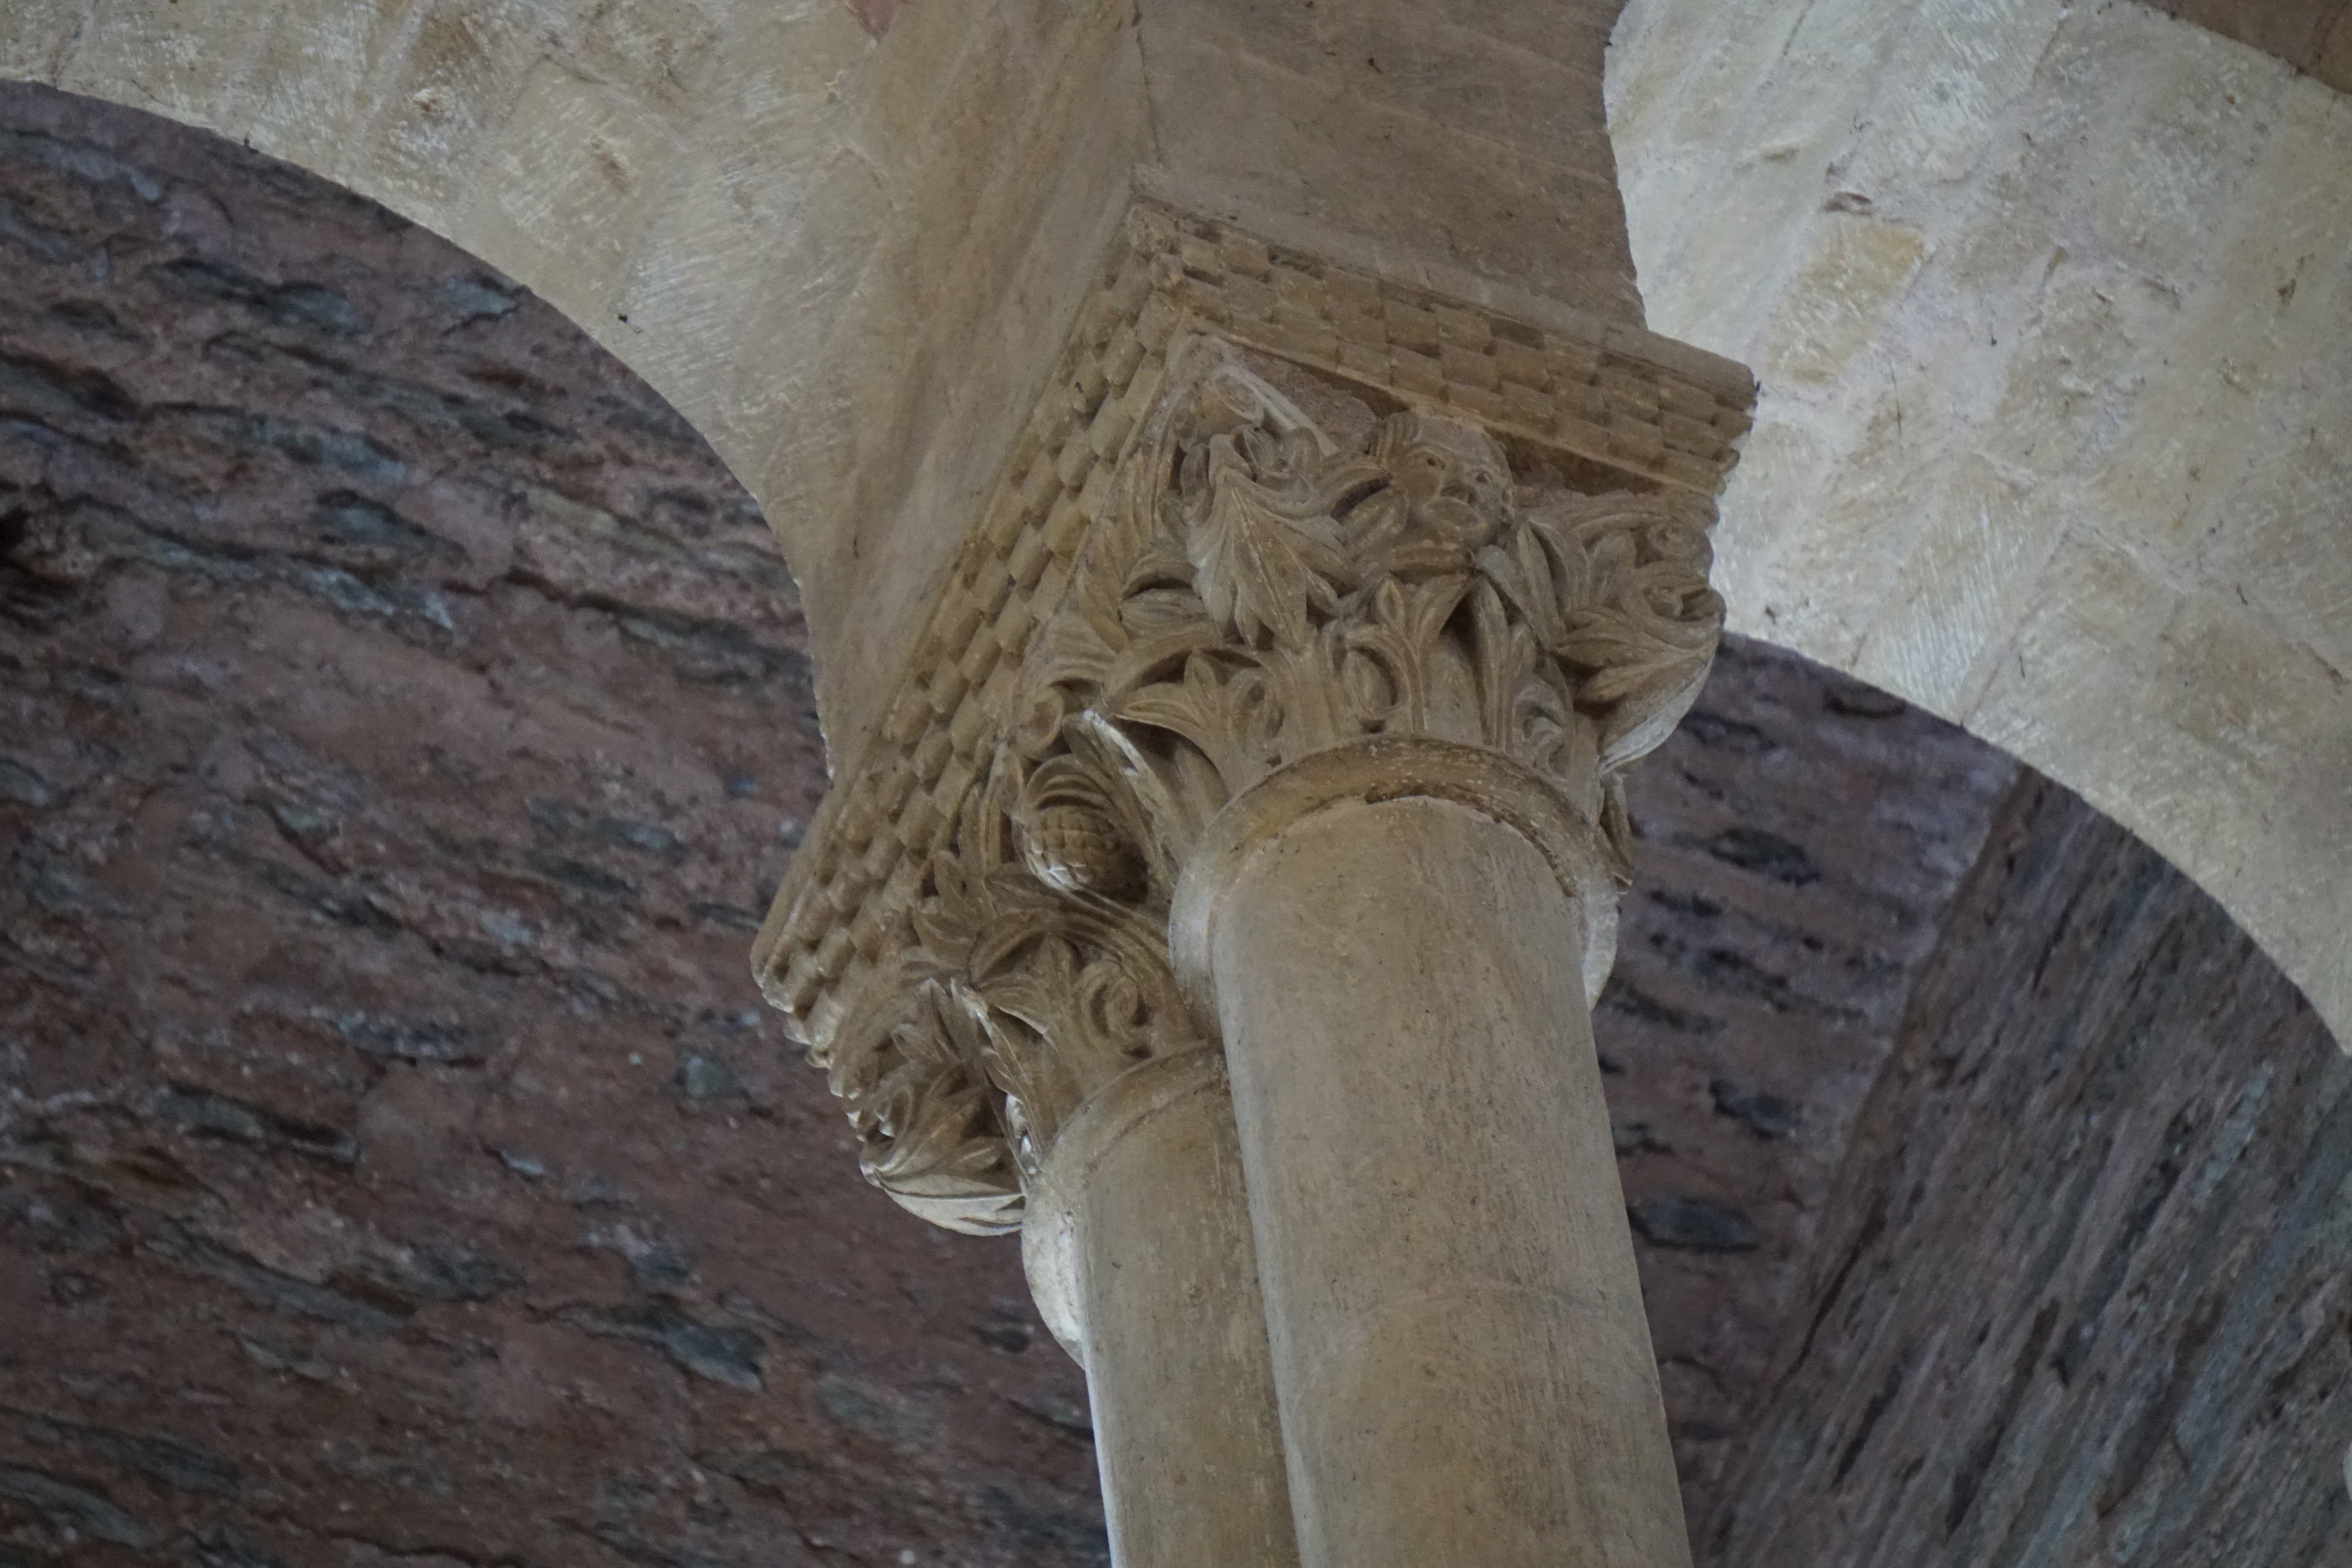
(929, 1128)
(1264, 550)
(1259, 593)
(1255, 591)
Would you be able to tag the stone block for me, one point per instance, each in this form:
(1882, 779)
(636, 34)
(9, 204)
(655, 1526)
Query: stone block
(2292, 480)
(1684, 76)
(1988, 535)
(567, 182)
(2075, 377)
(1539, 219)
(1782, 585)
(917, 429)
(669, 55)
(1853, 277)
(2054, 685)
(455, 78)
(1574, 31)
(2187, 152)
(1980, 55)
(1526, 100)
(36, 38)
(171, 62)
(306, 89)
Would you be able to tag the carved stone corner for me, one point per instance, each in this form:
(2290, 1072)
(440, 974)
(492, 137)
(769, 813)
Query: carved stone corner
(1271, 506)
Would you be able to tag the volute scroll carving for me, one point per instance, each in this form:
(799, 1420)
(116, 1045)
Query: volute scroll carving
(1255, 589)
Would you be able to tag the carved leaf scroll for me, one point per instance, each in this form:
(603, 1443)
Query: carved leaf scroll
(1253, 591)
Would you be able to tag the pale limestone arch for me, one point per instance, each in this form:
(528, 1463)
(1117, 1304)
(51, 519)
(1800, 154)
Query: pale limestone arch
(805, 241)
(2052, 308)
(847, 263)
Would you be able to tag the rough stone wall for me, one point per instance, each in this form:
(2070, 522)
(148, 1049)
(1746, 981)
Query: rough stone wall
(1801, 837)
(403, 719)
(2087, 1296)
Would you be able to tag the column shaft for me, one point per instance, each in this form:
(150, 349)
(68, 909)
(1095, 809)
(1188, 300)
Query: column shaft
(1462, 1367)
(1138, 1248)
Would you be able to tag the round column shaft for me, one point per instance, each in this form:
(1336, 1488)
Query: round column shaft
(1138, 1244)
(1463, 1366)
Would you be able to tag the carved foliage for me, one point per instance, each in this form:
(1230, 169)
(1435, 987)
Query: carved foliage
(1039, 974)
(1255, 591)
(1259, 593)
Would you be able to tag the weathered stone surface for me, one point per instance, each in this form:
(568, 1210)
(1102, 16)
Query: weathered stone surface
(2313, 36)
(842, 240)
(2082, 1296)
(1800, 838)
(1492, 148)
(2048, 306)
(406, 718)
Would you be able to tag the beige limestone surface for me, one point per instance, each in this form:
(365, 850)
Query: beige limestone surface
(1159, 1300)
(847, 260)
(2052, 308)
(1465, 132)
(1463, 1366)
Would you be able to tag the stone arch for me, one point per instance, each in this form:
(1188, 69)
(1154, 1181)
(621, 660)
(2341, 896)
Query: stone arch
(790, 233)
(547, 140)
(2048, 307)
(1790, 843)
(1991, 299)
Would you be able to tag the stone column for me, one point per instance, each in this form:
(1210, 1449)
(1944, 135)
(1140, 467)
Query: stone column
(1312, 627)
(1044, 1076)
(1138, 1245)
(1390, 935)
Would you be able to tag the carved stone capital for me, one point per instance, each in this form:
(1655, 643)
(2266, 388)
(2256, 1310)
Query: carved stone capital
(1278, 520)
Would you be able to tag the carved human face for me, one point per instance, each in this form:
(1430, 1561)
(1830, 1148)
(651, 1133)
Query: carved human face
(1451, 475)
